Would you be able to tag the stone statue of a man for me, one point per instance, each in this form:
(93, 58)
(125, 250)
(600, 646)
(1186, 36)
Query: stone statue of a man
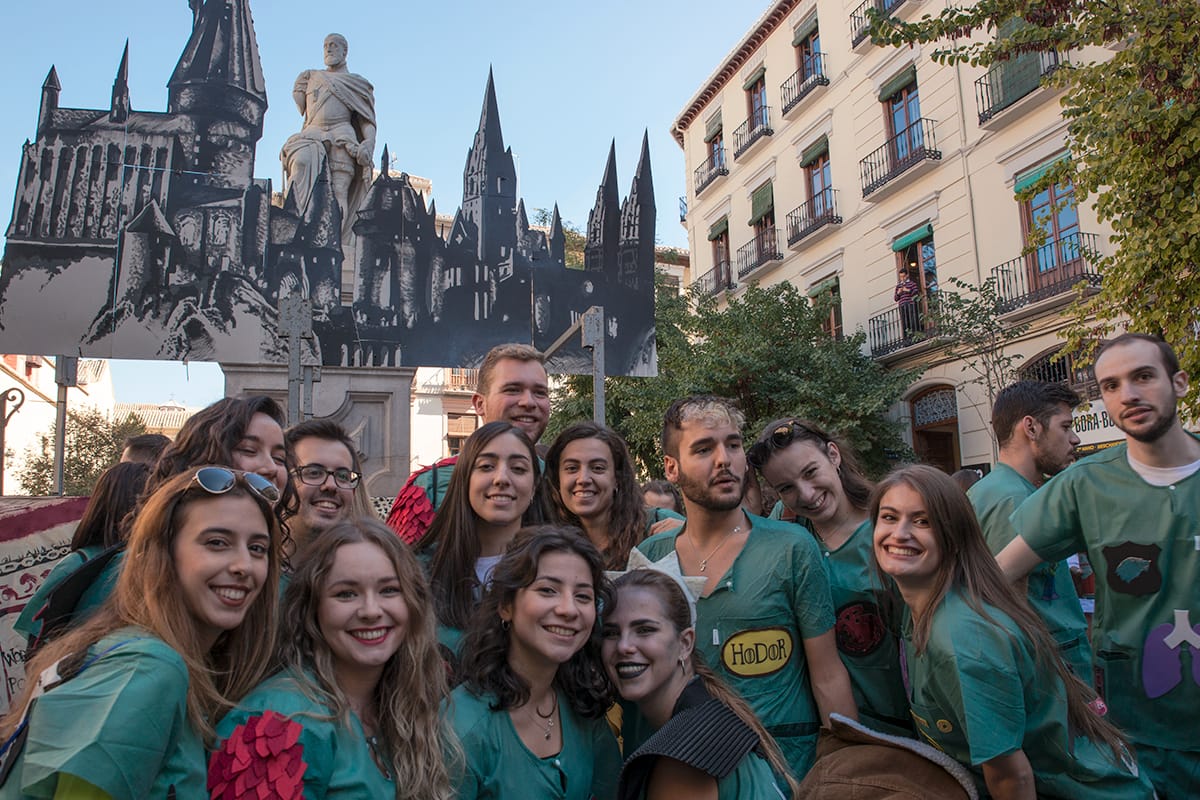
(339, 127)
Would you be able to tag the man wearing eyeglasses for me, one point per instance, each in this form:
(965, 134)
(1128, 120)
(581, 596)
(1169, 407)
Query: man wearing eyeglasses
(327, 476)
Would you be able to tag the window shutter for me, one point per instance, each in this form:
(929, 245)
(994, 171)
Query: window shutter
(1032, 176)
(719, 227)
(912, 237)
(898, 82)
(762, 202)
(753, 79)
(814, 151)
(804, 31)
(712, 128)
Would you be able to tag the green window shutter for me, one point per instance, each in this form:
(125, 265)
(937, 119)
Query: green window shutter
(753, 79)
(898, 82)
(1030, 177)
(712, 128)
(912, 237)
(814, 151)
(762, 202)
(823, 287)
(804, 31)
(719, 227)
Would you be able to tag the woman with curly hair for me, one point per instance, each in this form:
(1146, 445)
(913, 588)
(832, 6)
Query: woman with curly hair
(590, 475)
(178, 642)
(986, 682)
(354, 711)
(530, 712)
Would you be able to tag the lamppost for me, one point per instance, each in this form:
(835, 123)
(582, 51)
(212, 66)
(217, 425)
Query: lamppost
(17, 398)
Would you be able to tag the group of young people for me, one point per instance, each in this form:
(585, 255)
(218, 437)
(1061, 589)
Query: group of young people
(530, 628)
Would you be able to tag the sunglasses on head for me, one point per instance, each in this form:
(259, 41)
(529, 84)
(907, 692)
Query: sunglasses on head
(783, 435)
(219, 480)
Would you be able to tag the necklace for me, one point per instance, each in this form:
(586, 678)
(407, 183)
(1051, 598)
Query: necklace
(548, 717)
(720, 544)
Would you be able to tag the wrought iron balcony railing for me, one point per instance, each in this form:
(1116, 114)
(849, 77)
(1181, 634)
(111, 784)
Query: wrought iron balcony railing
(903, 151)
(810, 75)
(860, 24)
(762, 248)
(712, 168)
(1052, 269)
(1009, 81)
(902, 326)
(818, 212)
(756, 126)
(716, 280)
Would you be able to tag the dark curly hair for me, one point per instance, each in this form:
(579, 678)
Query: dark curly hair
(485, 649)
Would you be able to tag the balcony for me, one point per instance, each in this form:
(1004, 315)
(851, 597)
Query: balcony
(460, 380)
(712, 168)
(813, 215)
(1051, 270)
(714, 282)
(1012, 80)
(912, 146)
(761, 249)
(811, 75)
(860, 23)
(754, 128)
(902, 326)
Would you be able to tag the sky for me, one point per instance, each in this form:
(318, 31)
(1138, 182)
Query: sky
(570, 78)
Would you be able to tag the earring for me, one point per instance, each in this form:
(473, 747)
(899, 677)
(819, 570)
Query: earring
(505, 625)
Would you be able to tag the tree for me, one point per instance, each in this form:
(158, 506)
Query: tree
(1134, 136)
(93, 444)
(574, 238)
(765, 350)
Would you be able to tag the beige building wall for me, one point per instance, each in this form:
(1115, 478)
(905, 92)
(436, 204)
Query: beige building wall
(964, 188)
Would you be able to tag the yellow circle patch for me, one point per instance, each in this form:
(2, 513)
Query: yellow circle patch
(944, 725)
(754, 653)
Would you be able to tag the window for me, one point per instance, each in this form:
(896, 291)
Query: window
(817, 176)
(1052, 216)
(756, 101)
(903, 108)
(915, 255)
(808, 52)
(762, 207)
(829, 291)
(1056, 366)
(714, 141)
(935, 428)
(718, 234)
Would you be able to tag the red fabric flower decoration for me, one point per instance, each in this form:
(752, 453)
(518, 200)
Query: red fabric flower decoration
(262, 759)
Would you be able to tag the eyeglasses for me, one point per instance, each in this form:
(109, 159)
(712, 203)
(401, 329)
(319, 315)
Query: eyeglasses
(315, 475)
(219, 480)
(760, 452)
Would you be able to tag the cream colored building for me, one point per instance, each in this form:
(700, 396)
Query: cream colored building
(818, 158)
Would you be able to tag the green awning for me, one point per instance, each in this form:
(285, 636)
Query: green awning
(898, 82)
(719, 227)
(762, 202)
(712, 128)
(804, 31)
(824, 287)
(814, 151)
(1030, 177)
(912, 237)
(753, 79)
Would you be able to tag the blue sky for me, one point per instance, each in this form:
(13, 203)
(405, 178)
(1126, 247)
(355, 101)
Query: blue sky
(570, 77)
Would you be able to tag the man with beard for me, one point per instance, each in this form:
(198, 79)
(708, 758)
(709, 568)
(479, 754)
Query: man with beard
(1034, 428)
(327, 476)
(765, 621)
(1135, 508)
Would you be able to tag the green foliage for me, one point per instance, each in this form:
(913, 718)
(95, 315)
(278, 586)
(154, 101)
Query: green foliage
(765, 350)
(967, 319)
(1134, 135)
(573, 237)
(93, 444)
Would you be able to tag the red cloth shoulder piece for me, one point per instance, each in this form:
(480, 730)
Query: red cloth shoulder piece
(261, 759)
(412, 511)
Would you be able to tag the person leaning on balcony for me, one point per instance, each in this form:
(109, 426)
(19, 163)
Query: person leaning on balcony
(906, 295)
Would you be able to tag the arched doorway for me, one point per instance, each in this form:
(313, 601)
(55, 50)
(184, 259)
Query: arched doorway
(935, 428)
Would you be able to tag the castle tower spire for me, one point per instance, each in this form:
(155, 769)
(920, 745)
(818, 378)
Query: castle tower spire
(604, 221)
(558, 240)
(119, 109)
(638, 223)
(490, 187)
(50, 89)
(221, 55)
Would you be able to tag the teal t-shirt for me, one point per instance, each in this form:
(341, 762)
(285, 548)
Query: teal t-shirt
(867, 642)
(499, 765)
(1051, 590)
(338, 759)
(121, 725)
(977, 694)
(1142, 542)
(89, 601)
(751, 628)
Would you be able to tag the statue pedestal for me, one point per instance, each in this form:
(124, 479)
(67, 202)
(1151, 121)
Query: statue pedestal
(373, 405)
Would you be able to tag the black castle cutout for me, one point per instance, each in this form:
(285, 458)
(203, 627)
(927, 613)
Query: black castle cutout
(145, 235)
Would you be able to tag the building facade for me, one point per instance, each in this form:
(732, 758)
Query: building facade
(877, 175)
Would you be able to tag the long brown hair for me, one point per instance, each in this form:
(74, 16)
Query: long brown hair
(147, 596)
(967, 565)
(855, 485)
(115, 494)
(413, 683)
(452, 538)
(678, 613)
(627, 517)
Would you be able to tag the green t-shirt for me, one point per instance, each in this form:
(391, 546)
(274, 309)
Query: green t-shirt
(869, 647)
(337, 758)
(121, 725)
(499, 765)
(978, 694)
(91, 599)
(1142, 542)
(751, 628)
(1051, 590)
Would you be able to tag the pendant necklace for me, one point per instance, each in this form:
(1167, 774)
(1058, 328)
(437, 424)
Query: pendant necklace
(548, 717)
(726, 538)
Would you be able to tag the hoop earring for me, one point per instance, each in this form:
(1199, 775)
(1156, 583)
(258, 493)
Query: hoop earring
(505, 625)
